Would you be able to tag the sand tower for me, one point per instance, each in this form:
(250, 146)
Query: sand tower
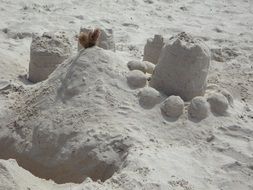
(182, 67)
(47, 51)
(153, 48)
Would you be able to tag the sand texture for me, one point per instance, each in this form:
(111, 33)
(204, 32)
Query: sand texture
(163, 102)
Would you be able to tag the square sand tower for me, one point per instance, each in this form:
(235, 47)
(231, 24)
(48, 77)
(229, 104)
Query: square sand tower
(153, 48)
(47, 51)
(182, 67)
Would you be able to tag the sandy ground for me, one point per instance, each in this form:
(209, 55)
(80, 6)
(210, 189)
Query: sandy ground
(216, 153)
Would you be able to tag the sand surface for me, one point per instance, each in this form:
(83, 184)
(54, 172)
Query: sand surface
(85, 127)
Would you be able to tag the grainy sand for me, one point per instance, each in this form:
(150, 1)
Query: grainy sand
(86, 128)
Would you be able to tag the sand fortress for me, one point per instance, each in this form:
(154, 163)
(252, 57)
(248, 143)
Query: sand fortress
(76, 124)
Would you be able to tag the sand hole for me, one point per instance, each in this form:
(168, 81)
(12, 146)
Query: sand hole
(82, 163)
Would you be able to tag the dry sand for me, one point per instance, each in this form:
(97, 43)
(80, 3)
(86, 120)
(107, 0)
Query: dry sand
(86, 128)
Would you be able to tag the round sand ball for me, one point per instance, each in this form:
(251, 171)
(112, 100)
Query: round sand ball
(150, 67)
(218, 103)
(137, 65)
(228, 95)
(173, 106)
(199, 108)
(136, 79)
(149, 97)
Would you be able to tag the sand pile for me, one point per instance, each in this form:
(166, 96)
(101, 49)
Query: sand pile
(65, 129)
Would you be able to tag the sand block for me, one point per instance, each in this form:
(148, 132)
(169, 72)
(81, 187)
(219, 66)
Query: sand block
(105, 40)
(46, 53)
(153, 48)
(173, 107)
(182, 67)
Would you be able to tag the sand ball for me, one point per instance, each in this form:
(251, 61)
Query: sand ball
(182, 67)
(173, 106)
(46, 53)
(137, 65)
(149, 97)
(150, 67)
(228, 95)
(136, 79)
(218, 103)
(199, 108)
(153, 48)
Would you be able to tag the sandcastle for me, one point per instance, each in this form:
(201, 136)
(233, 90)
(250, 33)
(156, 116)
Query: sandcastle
(180, 74)
(105, 40)
(46, 52)
(182, 67)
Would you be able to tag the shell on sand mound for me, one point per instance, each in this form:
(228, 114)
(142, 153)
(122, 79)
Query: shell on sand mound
(65, 130)
(47, 52)
(105, 40)
(182, 67)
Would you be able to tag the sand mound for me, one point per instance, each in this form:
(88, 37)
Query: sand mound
(182, 68)
(47, 51)
(60, 132)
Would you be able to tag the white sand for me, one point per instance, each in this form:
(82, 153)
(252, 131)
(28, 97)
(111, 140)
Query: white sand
(86, 121)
